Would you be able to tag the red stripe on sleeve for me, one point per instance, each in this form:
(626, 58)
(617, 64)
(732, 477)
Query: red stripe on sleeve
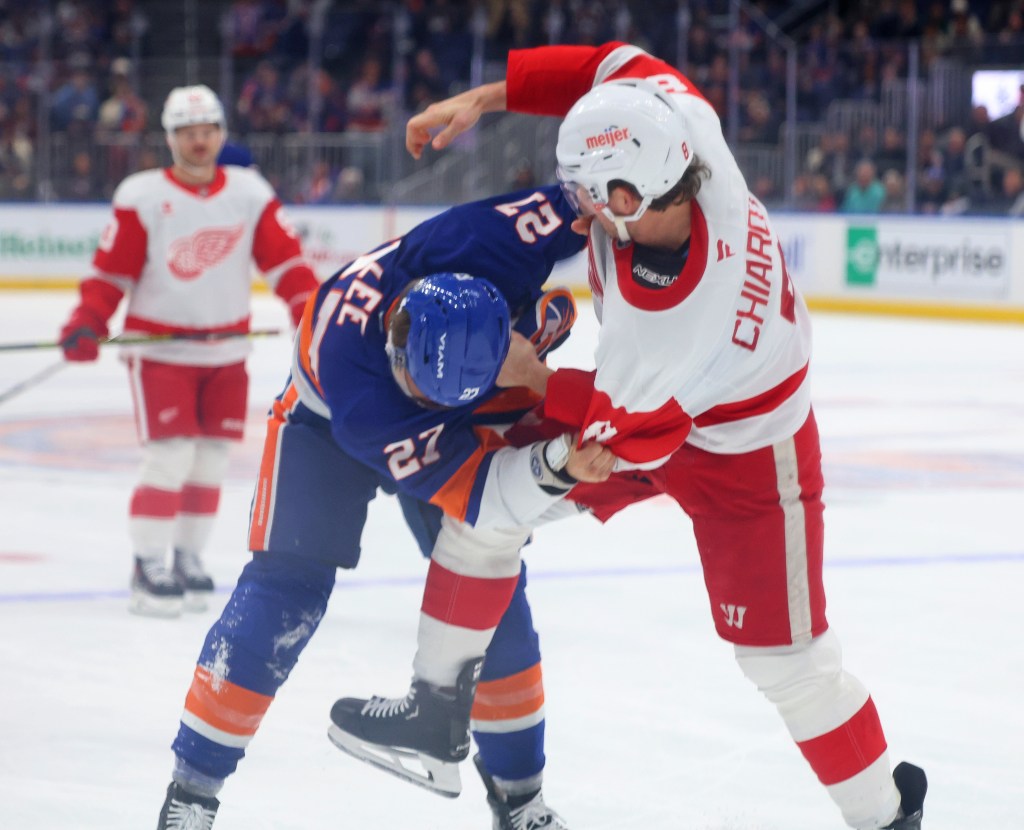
(466, 601)
(851, 748)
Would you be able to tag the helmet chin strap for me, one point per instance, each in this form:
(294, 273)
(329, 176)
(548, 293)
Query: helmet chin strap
(621, 229)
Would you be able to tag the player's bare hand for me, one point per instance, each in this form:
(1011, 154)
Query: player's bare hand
(581, 225)
(452, 116)
(522, 367)
(592, 462)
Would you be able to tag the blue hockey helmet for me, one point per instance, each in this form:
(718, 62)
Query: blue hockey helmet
(458, 337)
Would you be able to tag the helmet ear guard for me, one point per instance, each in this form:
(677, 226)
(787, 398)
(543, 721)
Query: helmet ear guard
(459, 335)
(625, 130)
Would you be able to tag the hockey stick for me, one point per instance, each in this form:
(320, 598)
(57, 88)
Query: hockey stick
(32, 380)
(142, 339)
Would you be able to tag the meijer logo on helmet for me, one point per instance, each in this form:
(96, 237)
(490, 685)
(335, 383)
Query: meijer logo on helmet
(609, 138)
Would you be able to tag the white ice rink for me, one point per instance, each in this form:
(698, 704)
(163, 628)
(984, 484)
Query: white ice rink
(651, 726)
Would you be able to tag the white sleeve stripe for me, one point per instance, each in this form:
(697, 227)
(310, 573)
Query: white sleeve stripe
(273, 276)
(615, 61)
(119, 281)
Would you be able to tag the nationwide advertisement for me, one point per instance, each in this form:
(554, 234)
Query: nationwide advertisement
(941, 260)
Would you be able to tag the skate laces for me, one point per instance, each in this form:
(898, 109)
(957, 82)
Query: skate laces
(386, 707)
(185, 816)
(189, 564)
(535, 814)
(155, 572)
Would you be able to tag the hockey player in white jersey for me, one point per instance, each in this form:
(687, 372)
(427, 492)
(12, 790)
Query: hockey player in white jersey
(701, 382)
(181, 245)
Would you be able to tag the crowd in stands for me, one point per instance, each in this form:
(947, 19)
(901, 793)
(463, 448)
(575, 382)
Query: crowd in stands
(315, 66)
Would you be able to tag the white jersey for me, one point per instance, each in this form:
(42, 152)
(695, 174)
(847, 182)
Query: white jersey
(184, 256)
(716, 352)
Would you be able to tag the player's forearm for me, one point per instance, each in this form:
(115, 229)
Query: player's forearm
(491, 97)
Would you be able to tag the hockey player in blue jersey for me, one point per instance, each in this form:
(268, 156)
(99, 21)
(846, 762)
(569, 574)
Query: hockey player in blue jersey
(404, 366)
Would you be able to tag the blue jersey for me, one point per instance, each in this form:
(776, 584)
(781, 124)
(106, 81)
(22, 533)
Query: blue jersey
(342, 371)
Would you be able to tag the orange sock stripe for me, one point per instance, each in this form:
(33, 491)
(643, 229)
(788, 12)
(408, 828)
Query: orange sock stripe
(516, 696)
(225, 706)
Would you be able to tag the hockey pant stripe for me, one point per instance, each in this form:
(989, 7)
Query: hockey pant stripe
(261, 517)
(848, 749)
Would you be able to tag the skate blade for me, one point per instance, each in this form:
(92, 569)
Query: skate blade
(146, 605)
(195, 601)
(441, 777)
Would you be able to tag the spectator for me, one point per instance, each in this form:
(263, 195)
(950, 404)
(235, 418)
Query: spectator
(895, 200)
(423, 82)
(1004, 134)
(955, 159)
(892, 155)
(81, 185)
(263, 105)
(123, 111)
(16, 164)
(318, 187)
(932, 193)
(866, 193)
(368, 99)
(76, 101)
(350, 185)
(759, 126)
(248, 29)
(832, 159)
(823, 194)
(1009, 200)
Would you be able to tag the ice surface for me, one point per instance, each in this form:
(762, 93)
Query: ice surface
(651, 726)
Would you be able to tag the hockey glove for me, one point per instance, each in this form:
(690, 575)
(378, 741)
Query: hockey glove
(81, 335)
(547, 324)
(548, 462)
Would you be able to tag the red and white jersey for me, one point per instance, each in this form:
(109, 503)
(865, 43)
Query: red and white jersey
(184, 256)
(718, 356)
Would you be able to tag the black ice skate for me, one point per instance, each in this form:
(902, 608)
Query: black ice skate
(183, 810)
(155, 591)
(196, 582)
(912, 784)
(529, 814)
(427, 728)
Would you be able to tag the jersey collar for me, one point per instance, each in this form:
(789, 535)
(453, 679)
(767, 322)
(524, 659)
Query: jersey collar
(202, 191)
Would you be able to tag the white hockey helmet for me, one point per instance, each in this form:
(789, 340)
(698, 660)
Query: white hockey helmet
(629, 129)
(188, 105)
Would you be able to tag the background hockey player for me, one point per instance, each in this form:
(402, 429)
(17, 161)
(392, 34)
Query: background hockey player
(393, 385)
(701, 378)
(181, 245)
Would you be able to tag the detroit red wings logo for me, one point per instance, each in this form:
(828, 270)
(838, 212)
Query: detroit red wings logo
(191, 255)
